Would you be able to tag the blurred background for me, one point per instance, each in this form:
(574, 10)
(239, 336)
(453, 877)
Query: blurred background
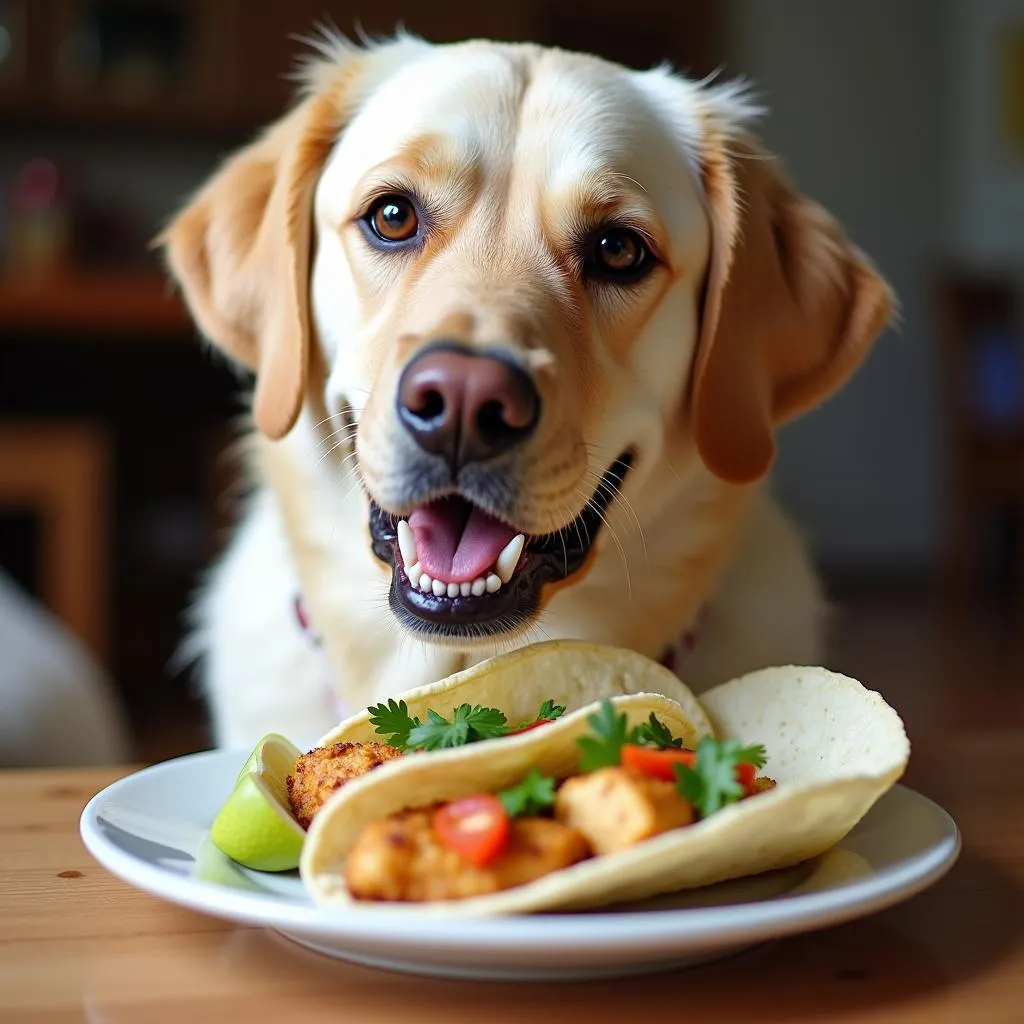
(905, 119)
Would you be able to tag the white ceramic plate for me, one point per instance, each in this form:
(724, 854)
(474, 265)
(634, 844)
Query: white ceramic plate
(151, 830)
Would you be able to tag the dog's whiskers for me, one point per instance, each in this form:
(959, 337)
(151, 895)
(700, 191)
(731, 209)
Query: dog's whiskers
(561, 537)
(329, 417)
(342, 464)
(334, 447)
(596, 509)
(350, 428)
(345, 432)
(615, 496)
(357, 484)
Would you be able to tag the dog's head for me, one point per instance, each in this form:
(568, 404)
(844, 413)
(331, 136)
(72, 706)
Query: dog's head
(525, 277)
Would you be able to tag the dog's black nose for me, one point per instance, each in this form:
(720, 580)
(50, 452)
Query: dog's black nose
(466, 406)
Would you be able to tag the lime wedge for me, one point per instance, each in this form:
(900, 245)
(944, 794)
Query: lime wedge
(275, 754)
(255, 826)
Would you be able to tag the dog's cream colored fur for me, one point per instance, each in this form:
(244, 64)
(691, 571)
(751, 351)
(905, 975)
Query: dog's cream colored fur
(760, 308)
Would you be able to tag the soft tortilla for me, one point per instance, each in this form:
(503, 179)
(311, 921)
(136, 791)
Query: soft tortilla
(572, 673)
(834, 748)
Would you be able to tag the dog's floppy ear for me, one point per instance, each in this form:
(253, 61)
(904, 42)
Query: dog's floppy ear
(791, 308)
(240, 251)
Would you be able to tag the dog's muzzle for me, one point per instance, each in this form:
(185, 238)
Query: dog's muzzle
(460, 569)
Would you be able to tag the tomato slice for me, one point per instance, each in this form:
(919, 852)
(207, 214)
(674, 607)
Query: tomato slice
(475, 827)
(657, 764)
(745, 775)
(532, 725)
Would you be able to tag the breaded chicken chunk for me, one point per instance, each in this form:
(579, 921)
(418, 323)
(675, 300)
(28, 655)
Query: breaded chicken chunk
(762, 784)
(401, 858)
(615, 808)
(324, 769)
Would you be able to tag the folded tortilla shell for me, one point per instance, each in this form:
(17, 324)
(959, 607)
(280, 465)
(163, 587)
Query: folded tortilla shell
(833, 746)
(572, 673)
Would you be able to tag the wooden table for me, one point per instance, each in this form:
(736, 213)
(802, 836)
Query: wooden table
(78, 945)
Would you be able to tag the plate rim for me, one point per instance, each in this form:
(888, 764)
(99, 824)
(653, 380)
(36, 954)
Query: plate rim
(594, 930)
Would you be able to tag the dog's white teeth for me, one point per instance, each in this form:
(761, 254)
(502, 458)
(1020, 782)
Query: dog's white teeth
(507, 561)
(504, 568)
(480, 586)
(406, 543)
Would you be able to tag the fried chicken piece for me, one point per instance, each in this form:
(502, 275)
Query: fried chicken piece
(762, 784)
(615, 808)
(320, 772)
(400, 858)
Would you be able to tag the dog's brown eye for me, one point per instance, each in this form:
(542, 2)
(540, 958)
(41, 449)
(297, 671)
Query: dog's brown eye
(393, 219)
(617, 252)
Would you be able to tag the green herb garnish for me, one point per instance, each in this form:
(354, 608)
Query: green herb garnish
(469, 723)
(393, 722)
(534, 794)
(610, 732)
(654, 733)
(550, 710)
(711, 782)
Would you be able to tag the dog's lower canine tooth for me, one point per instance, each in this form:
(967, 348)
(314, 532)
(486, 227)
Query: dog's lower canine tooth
(406, 542)
(507, 561)
(478, 586)
(492, 583)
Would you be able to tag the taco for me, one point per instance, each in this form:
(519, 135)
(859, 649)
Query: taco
(615, 801)
(497, 699)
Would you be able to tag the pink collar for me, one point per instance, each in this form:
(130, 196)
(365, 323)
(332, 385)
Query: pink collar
(676, 654)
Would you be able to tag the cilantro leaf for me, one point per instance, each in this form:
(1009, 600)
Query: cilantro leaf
(393, 722)
(484, 723)
(468, 724)
(534, 794)
(604, 748)
(654, 733)
(711, 783)
(437, 732)
(755, 754)
(550, 710)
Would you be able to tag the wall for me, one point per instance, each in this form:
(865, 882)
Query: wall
(858, 95)
(987, 224)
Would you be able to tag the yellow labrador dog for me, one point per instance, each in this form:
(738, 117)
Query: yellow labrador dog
(523, 324)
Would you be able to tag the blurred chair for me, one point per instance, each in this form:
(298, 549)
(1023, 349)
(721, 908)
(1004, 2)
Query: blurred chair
(57, 705)
(982, 357)
(59, 472)
(58, 708)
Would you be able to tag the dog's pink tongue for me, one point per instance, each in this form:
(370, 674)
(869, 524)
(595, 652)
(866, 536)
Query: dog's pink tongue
(455, 549)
